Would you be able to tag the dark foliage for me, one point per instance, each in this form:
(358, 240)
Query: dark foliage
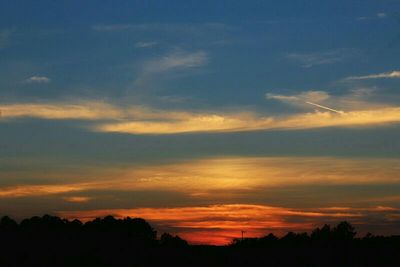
(172, 241)
(51, 241)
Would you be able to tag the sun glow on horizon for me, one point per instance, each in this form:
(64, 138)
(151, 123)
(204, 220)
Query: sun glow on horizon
(219, 224)
(242, 187)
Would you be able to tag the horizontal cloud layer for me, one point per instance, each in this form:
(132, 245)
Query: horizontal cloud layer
(251, 122)
(77, 110)
(200, 178)
(147, 120)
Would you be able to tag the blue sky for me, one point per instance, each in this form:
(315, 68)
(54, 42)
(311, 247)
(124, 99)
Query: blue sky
(99, 49)
(91, 89)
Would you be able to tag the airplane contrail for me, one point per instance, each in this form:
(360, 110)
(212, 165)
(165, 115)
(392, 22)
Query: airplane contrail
(330, 109)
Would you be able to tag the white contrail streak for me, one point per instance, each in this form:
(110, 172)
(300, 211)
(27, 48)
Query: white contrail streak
(330, 109)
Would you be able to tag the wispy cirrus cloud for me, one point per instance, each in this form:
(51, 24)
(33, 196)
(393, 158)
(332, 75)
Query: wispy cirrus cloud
(308, 60)
(165, 27)
(355, 99)
(38, 79)
(379, 15)
(300, 99)
(201, 34)
(176, 60)
(385, 75)
(145, 44)
(113, 27)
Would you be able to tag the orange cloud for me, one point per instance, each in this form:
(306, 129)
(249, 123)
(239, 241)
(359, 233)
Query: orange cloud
(200, 178)
(77, 199)
(252, 122)
(147, 120)
(81, 110)
(349, 209)
(38, 190)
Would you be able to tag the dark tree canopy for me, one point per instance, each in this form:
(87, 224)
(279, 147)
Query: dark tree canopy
(109, 241)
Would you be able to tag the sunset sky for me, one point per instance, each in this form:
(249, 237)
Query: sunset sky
(206, 118)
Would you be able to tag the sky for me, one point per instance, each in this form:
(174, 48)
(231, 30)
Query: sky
(206, 118)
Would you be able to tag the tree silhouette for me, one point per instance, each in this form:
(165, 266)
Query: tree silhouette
(343, 231)
(109, 241)
(323, 233)
(8, 224)
(172, 241)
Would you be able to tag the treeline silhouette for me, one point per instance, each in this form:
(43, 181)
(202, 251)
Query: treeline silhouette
(52, 241)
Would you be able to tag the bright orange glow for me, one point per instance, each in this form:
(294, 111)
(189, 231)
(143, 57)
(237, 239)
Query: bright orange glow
(201, 178)
(77, 199)
(218, 224)
(219, 237)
